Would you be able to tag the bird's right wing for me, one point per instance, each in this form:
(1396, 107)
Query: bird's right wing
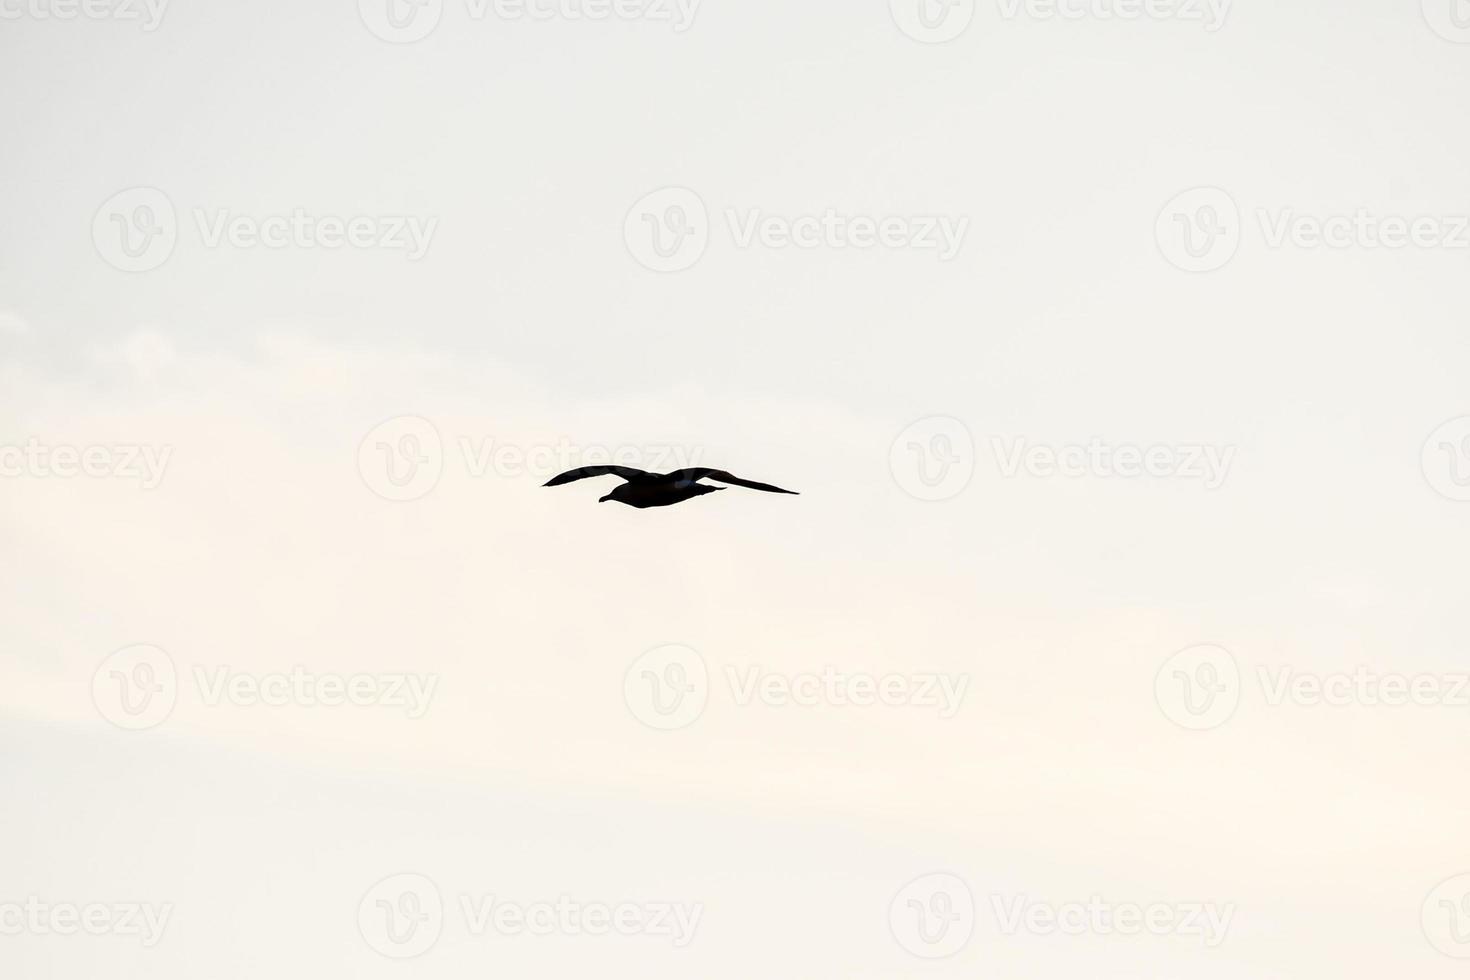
(683, 477)
(582, 473)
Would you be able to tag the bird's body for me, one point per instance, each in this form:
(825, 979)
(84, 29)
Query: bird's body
(656, 493)
(642, 489)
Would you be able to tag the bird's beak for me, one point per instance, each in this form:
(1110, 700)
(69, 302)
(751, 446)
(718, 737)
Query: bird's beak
(604, 499)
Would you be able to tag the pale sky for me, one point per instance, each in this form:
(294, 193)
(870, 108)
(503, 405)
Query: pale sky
(249, 468)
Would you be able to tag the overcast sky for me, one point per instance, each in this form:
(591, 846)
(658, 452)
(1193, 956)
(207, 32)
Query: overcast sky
(1117, 350)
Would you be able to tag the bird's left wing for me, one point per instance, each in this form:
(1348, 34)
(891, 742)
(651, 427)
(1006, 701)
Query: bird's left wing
(626, 472)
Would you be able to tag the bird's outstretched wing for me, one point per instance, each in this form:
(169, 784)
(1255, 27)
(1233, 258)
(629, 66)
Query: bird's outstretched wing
(683, 477)
(626, 472)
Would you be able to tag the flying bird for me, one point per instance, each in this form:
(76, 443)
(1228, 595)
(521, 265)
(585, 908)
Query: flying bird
(643, 489)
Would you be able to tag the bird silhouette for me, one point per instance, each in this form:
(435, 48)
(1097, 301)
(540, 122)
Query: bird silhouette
(643, 489)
